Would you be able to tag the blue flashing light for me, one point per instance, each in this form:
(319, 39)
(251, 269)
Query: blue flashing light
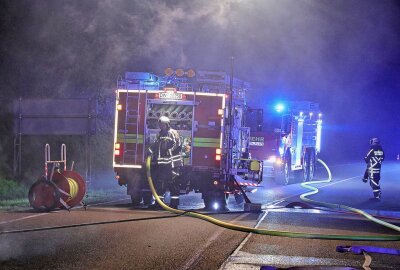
(279, 107)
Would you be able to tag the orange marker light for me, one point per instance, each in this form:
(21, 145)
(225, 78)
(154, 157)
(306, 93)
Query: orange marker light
(179, 72)
(117, 146)
(220, 111)
(119, 107)
(218, 151)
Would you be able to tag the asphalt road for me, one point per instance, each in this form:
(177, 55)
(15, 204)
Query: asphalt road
(154, 239)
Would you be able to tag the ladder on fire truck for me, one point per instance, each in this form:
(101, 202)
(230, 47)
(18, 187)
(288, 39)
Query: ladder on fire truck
(132, 119)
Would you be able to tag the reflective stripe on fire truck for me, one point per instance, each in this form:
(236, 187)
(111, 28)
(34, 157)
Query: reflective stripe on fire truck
(127, 166)
(130, 138)
(206, 142)
(249, 184)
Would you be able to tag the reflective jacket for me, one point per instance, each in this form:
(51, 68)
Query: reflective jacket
(167, 148)
(374, 159)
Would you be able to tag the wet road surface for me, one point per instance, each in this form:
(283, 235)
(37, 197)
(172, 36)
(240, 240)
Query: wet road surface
(155, 239)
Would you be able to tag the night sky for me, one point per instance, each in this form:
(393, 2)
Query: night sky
(342, 54)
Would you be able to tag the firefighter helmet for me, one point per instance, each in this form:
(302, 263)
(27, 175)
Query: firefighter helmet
(374, 141)
(164, 119)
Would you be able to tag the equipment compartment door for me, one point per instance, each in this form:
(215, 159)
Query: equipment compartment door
(181, 117)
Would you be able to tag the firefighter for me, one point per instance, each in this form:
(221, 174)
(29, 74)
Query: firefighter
(374, 159)
(167, 159)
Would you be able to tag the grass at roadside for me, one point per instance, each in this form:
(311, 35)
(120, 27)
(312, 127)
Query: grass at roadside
(13, 194)
(11, 189)
(15, 197)
(13, 204)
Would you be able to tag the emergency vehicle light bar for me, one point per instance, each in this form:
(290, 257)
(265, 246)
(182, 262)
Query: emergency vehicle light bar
(185, 92)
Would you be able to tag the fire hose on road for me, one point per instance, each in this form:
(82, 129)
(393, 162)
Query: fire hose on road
(315, 190)
(282, 233)
(245, 228)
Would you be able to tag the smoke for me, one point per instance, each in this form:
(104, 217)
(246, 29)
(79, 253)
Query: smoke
(342, 54)
(293, 44)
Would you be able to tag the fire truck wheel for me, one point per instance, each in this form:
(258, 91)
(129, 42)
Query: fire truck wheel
(147, 197)
(136, 200)
(306, 166)
(309, 165)
(226, 198)
(286, 171)
(312, 166)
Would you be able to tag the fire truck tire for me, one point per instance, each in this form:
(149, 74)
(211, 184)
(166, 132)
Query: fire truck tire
(309, 165)
(312, 165)
(225, 199)
(147, 197)
(287, 171)
(136, 200)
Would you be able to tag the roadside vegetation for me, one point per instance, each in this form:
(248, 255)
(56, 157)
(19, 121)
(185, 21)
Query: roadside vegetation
(14, 189)
(13, 194)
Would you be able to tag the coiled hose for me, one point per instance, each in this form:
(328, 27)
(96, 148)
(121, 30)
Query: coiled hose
(235, 227)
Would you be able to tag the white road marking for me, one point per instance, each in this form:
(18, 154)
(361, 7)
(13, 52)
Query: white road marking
(244, 241)
(244, 261)
(43, 214)
(210, 240)
(22, 218)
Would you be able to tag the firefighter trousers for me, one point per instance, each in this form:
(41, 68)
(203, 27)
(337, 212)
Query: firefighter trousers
(374, 179)
(166, 178)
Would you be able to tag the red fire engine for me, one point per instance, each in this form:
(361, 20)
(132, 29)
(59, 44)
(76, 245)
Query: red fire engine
(215, 142)
(289, 141)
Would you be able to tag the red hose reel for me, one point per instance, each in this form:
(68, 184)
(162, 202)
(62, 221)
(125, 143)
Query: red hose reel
(61, 189)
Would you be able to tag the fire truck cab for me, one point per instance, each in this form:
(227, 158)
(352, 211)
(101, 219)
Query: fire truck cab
(200, 114)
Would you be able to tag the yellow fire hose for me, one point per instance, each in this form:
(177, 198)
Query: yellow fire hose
(315, 190)
(272, 232)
